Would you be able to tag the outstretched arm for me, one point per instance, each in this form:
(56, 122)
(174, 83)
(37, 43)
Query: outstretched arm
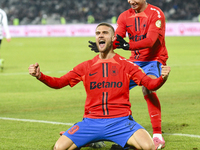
(53, 82)
(71, 78)
(154, 84)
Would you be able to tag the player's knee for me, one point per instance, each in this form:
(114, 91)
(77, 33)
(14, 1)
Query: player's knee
(145, 91)
(58, 147)
(148, 146)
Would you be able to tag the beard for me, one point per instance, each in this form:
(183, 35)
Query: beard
(108, 47)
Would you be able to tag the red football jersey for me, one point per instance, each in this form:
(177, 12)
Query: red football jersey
(106, 83)
(144, 29)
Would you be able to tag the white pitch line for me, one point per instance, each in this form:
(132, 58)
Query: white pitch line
(71, 124)
(38, 121)
(180, 134)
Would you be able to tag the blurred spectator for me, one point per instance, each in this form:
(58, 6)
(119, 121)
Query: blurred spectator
(44, 19)
(90, 19)
(77, 11)
(114, 20)
(15, 21)
(199, 18)
(62, 20)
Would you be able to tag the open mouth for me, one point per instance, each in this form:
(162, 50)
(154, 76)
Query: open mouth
(102, 43)
(134, 6)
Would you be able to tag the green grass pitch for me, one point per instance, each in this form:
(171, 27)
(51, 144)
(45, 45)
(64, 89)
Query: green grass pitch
(23, 97)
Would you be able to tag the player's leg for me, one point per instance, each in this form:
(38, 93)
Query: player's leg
(99, 144)
(1, 64)
(126, 132)
(90, 128)
(64, 143)
(141, 140)
(152, 69)
(154, 108)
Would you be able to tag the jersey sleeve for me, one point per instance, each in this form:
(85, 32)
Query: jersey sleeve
(121, 25)
(145, 43)
(156, 30)
(157, 23)
(71, 78)
(137, 74)
(152, 84)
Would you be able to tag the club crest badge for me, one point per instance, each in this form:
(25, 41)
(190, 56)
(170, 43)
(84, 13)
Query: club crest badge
(114, 71)
(158, 23)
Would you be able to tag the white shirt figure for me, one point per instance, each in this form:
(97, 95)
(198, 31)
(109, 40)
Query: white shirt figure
(4, 25)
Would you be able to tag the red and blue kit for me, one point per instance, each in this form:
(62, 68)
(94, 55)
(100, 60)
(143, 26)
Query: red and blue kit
(146, 32)
(106, 83)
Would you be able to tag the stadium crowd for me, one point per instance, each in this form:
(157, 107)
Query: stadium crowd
(78, 11)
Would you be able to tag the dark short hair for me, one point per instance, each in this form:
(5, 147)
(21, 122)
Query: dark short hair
(106, 24)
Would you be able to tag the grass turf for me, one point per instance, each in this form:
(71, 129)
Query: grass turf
(23, 97)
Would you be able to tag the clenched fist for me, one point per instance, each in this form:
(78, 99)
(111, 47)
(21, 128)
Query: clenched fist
(165, 71)
(34, 70)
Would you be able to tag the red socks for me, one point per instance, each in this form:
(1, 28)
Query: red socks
(154, 109)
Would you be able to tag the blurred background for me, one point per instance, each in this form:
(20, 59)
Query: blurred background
(34, 12)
